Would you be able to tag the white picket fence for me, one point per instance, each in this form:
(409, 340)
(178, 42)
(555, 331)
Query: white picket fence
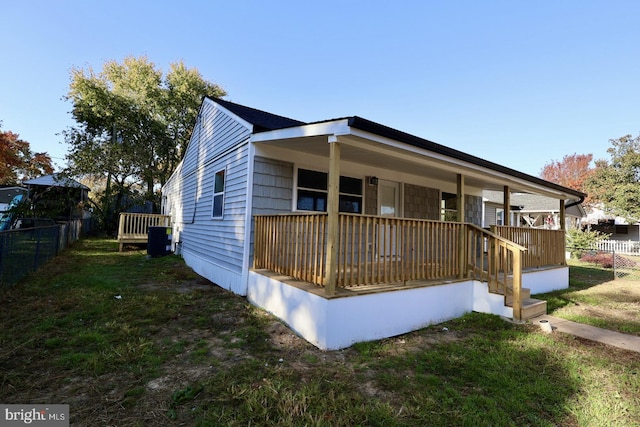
(626, 247)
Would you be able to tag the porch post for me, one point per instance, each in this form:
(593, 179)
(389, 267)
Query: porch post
(332, 217)
(462, 235)
(460, 197)
(517, 285)
(506, 206)
(563, 227)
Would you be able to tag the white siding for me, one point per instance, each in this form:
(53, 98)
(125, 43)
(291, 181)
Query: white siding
(214, 247)
(489, 215)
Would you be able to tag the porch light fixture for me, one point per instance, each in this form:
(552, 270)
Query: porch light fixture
(373, 180)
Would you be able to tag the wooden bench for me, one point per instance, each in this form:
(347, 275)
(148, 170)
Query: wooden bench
(134, 227)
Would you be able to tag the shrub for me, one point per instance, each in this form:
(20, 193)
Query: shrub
(606, 260)
(578, 241)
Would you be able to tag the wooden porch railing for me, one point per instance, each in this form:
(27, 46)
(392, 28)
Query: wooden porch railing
(134, 227)
(380, 250)
(374, 250)
(371, 250)
(294, 245)
(497, 261)
(544, 247)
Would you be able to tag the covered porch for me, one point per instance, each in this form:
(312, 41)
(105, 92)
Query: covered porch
(378, 254)
(380, 272)
(392, 276)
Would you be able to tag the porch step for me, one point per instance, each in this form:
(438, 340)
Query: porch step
(532, 307)
(525, 293)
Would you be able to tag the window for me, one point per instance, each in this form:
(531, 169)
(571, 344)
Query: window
(218, 195)
(622, 229)
(313, 191)
(448, 207)
(350, 195)
(499, 216)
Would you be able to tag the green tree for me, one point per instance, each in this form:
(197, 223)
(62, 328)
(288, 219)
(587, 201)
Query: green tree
(579, 241)
(133, 125)
(616, 183)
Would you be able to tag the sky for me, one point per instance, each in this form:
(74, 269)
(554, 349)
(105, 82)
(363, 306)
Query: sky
(517, 83)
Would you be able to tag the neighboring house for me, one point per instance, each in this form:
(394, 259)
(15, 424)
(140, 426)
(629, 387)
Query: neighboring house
(62, 197)
(343, 228)
(618, 228)
(10, 197)
(531, 210)
(7, 194)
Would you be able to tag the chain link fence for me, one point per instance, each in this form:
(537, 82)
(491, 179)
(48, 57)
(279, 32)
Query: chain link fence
(623, 266)
(23, 251)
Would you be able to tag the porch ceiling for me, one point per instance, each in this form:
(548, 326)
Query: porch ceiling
(412, 160)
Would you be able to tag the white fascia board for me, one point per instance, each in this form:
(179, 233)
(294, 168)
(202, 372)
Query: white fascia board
(237, 118)
(336, 127)
(481, 171)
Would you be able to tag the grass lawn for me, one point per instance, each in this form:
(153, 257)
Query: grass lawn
(596, 299)
(130, 341)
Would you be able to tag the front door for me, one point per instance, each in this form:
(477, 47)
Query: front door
(389, 198)
(388, 206)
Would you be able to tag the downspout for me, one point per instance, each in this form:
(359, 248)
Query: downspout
(577, 202)
(574, 203)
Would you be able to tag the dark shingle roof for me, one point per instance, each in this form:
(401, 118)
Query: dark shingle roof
(530, 203)
(261, 120)
(382, 130)
(524, 201)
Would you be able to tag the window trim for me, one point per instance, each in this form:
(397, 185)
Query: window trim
(219, 193)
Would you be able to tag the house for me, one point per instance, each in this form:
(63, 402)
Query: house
(618, 228)
(60, 197)
(349, 230)
(531, 210)
(10, 197)
(7, 194)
